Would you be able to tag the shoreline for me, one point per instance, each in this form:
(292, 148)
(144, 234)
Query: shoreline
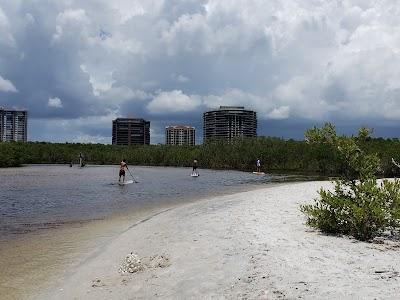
(77, 242)
(245, 245)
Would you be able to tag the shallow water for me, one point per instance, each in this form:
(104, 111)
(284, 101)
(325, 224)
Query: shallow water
(55, 217)
(41, 197)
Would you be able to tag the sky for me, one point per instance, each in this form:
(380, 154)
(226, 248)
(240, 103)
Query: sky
(77, 65)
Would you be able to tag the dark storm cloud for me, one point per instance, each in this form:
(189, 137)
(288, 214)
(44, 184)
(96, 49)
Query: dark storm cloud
(76, 65)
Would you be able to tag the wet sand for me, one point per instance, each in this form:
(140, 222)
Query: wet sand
(30, 262)
(251, 245)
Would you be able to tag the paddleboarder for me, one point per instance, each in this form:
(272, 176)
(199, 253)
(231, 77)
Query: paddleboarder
(81, 160)
(122, 166)
(258, 164)
(195, 166)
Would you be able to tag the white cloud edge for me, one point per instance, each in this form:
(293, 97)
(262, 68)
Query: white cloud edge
(55, 102)
(7, 86)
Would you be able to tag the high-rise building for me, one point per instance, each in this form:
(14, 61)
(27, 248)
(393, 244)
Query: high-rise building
(180, 135)
(229, 122)
(128, 131)
(13, 125)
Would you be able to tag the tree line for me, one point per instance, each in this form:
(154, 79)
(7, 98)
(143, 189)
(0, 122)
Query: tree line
(276, 155)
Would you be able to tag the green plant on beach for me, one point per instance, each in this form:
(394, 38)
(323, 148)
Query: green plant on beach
(358, 205)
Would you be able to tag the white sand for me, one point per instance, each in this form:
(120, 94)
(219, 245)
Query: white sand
(250, 245)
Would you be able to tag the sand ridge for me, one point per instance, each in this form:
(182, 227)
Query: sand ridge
(250, 245)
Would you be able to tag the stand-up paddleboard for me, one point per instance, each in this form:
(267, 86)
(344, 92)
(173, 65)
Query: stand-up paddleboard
(195, 174)
(126, 182)
(259, 173)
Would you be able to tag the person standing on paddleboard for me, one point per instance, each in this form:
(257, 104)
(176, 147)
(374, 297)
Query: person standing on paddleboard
(122, 167)
(258, 164)
(195, 166)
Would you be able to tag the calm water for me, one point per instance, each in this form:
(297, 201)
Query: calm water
(53, 218)
(42, 197)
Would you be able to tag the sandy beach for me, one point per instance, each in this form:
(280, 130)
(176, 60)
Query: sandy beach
(250, 245)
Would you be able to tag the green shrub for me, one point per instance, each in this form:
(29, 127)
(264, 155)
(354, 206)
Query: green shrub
(357, 205)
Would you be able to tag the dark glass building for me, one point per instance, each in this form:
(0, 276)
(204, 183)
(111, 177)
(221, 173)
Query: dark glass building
(13, 125)
(180, 135)
(229, 122)
(128, 131)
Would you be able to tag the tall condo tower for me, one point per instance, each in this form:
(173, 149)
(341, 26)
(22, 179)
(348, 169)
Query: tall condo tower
(229, 122)
(180, 135)
(13, 125)
(128, 131)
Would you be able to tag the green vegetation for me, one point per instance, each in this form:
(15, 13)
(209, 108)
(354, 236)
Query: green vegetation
(10, 154)
(277, 155)
(357, 206)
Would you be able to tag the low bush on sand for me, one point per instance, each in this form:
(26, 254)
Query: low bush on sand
(358, 205)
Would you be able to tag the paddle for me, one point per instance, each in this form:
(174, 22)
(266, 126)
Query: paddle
(395, 163)
(134, 180)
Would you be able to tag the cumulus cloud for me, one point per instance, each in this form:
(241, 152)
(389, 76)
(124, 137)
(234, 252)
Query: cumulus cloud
(7, 86)
(6, 37)
(69, 22)
(279, 113)
(291, 61)
(173, 102)
(55, 102)
(123, 94)
(100, 80)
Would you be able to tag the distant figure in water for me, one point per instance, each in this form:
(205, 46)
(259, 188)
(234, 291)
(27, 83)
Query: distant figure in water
(195, 166)
(70, 164)
(258, 164)
(81, 160)
(122, 167)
